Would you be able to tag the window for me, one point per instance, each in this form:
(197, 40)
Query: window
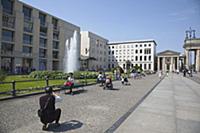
(55, 54)
(136, 58)
(136, 45)
(42, 64)
(145, 58)
(145, 45)
(112, 52)
(55, 23)
(27, 50)
(145, 66)
(42, 18)
(149, 58)
(43, 31)
(27, 13)
(140, 45)
(42, 53)
(113, 65)
(55, 45)
(43, 42)
(140, 58)
(97, 42)
(113, 47)
(136, 51)
(147, 51)
(6, 47)
(149, 45)
(28, 26)
(149, 66)
(7, 35)
(7, 6)
(56, 36)
(140, 51)
(27, 39)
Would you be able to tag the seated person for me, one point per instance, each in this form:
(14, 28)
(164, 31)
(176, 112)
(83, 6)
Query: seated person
(70, 83)
(108, 82)
(122, 79)
(126, 80)
(49, 113)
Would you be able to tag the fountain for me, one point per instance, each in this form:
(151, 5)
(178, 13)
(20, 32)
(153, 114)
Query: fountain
(72, 53)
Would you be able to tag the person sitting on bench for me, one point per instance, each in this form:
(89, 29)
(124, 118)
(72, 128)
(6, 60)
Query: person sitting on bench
(69, 83)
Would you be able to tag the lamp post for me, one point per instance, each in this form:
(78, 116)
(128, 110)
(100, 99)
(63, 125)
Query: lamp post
(190, 34)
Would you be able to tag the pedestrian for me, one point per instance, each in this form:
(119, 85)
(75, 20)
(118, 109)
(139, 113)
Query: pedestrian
(160, 74)
(47, 112)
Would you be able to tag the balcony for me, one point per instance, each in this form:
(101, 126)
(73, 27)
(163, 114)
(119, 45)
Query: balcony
(7, 49)
(8, 20)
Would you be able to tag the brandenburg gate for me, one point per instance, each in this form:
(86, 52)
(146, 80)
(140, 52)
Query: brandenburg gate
(192, 44)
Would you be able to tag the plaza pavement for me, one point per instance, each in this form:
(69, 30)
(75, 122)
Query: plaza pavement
(172, 107)
(92, 110)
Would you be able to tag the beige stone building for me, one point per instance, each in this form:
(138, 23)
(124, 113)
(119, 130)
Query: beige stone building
(31, 38)
(192, 45)
(128, 54)
(95, 48)
(168, 61)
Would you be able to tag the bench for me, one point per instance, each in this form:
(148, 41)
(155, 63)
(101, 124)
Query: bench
(76, 86)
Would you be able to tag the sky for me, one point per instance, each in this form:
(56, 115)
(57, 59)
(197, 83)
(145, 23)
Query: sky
(165, 21)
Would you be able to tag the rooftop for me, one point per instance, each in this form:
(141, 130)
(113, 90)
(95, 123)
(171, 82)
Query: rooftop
(132, 41)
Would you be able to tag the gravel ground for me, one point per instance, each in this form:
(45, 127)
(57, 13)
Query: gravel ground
(91, 110)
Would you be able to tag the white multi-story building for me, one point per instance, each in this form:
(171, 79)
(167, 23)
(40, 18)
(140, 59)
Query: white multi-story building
(31, 38)
(95, 47)
(128, 54)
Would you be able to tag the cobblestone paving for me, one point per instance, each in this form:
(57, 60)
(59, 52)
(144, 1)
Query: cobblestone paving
(93, 110)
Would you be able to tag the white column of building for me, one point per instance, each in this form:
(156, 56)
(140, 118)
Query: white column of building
(163, 64)
(177, 63)
(187, 58)
(171, 64)
(158, 62)
(198, 60)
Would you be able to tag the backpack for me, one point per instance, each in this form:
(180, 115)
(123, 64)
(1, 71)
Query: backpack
(42, 111)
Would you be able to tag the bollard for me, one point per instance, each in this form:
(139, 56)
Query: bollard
(13, 88)
(47, 81)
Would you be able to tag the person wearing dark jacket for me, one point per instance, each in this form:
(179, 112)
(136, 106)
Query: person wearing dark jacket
(50, 113)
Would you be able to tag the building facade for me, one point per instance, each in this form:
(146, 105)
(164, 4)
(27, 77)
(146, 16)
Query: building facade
(95, 48)
(192, 45)
(168, 61)
(31, 38)
(128, 54)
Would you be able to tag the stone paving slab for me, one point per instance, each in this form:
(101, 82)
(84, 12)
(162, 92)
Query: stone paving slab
(173, 107)
(92, 110)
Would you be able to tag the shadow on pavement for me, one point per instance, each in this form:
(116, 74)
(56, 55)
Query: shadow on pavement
(113, 89)
(65, 126)
(77, 92)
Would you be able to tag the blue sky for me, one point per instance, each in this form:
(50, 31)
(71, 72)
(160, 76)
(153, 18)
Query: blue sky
(120, 20)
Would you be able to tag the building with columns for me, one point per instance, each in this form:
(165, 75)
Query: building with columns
(168, 61)
(192, 45)
(31, 38)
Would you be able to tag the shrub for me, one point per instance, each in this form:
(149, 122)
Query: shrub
(2, 75)
(49, 74)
